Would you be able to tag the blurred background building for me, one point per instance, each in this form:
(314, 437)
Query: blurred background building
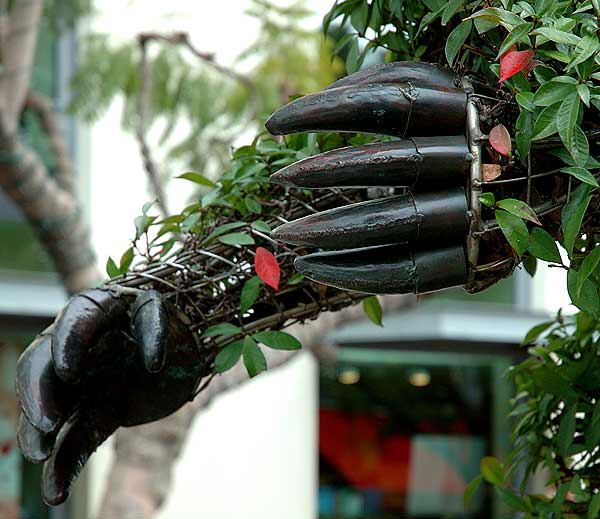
(393, 427)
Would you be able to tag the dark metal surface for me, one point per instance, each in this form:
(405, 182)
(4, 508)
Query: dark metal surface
(149, 323)
(391, 109)
(428, 162)
(441, 216)
(415, 72)
(387, 269)
(78, 326)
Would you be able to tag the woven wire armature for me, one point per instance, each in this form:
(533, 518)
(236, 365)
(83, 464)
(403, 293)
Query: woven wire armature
(205, 283)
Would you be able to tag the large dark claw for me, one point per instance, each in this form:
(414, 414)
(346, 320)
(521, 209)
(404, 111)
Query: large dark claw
(388, 269)
(423, 162)
(403, 218)
(391, 109)
(77, 440)
(78, 326)
(45, 399)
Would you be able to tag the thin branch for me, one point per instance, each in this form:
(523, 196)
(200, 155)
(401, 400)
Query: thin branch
(42, 107)
(142, 111)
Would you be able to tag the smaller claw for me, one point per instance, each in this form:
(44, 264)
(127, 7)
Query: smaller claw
(396, 219)
(76, 329)
(387, 269)
(423, 161)
(150, 325)
(34, 445)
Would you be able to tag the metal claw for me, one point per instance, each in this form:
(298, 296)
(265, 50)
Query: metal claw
(391, 109)
(149, 323)
(397, 219)
(387, 269)
(422, 161)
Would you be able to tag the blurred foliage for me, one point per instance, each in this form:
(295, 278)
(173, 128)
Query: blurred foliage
(208, 109)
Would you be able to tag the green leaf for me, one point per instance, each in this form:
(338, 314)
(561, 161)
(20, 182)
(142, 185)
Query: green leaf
(452, 6)
(572, 215)
(259, 225)
(588, 265)
(147, 206)
(277, 340)
(229, 356)
(352, 58)
(372, 309)
(142, 224)
(237, 238)
(594, 507)
(250, 292)
(592, 428)
(545, 124)
(491, 470)
(456, 39)
(535, 332)
(553, 92)
(254, 359)
(496, 15)
(360, 18)
(197, 178)
(585, 299)
(586, 48)
(558, 36)
(584, 94)
(525, 100)
(126, 260)
(252, 205)
(222, 229)
(566, 429)
(566, 119)
(513, 500)
(488, 199)
(579, 147)
(530, 264)
(221, 329)
(111, 268)
(519, 208)
(519, 33)
(582, 174)
(515, 231)
(543, 246)
(471, 489)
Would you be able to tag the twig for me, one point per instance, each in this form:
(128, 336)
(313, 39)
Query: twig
(42, 107)
(142, 110)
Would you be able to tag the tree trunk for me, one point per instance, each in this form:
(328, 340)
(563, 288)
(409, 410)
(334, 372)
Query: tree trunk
(140, 477)
(50, 207)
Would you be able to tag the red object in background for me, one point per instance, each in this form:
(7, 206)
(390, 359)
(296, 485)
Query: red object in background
(354, 445)
(5, 449)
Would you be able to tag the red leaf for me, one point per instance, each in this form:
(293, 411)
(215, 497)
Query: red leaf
(500, 140)
(267, 268)
(513, 61)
